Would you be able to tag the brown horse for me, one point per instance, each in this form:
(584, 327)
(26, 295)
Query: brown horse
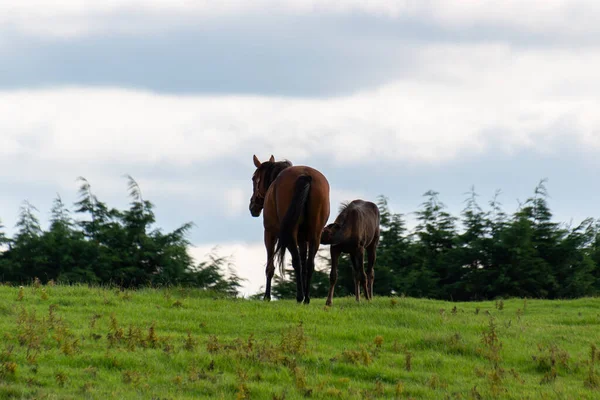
(355, 229)
(295, 200)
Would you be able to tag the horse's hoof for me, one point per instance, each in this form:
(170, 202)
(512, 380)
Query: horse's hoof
(306, 300)
(299, 299)
(328, 303)
(267, 298)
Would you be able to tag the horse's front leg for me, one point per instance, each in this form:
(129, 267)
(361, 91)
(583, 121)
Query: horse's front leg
(270, 242)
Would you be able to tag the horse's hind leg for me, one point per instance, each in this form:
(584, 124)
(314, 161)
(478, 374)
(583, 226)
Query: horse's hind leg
(303, 248)
(313, 247)
(270, 242)
(297, 264)
(371, 256)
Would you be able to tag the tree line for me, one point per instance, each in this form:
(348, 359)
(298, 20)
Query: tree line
(106, 246)
(480, 254)
(483, 253)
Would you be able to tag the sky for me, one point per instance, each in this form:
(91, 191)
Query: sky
(385, 97)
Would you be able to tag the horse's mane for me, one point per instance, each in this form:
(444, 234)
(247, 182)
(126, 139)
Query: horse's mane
(272, 170)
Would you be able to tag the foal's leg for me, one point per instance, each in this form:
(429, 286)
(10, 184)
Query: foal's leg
(270, 242)
(313, 247)
(371, 256)
(360, 278)
(335, 255)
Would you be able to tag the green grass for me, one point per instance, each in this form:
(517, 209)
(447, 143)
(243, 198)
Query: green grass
(72, 342)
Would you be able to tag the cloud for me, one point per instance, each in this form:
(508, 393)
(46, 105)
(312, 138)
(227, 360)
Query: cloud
(464, 100)
(192, 154)
(249, 260)
(68, 18)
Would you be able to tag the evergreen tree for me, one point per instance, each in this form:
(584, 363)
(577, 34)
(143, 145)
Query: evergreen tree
(436, 272)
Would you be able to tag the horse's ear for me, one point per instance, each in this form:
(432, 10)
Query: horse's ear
(272, 159)
(257, 162)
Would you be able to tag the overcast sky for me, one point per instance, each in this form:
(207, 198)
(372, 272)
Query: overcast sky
(384, 97)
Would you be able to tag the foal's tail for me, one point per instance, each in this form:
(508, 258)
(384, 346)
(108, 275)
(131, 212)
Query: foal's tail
(291, 218)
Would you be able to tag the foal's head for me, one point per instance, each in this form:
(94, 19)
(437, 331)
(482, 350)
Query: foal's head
(330, 233)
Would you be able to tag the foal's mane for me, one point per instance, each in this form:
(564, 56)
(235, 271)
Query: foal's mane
(271, 170)
(346, 208)
(343, 211)
(343, 207)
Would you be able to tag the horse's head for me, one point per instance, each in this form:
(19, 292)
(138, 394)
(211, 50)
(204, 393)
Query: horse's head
(330, 233)
(259, 189)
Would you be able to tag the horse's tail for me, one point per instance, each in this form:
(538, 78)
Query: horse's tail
(292, 216)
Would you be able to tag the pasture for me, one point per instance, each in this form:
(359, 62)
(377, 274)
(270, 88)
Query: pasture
(72, 342)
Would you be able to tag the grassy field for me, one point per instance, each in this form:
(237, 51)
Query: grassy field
(62, 342)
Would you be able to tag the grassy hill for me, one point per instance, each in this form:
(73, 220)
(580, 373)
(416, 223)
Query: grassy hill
(75, 342)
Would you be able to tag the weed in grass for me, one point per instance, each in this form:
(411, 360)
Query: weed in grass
(91, 371)
(86, 388)
(293, 341)
(152, 338)
(456, 344)
(491, 351)
(61, 379)
(474, 393)
(332, 393)
(517, 377)
(32, 382)
(190, 343)
(242, 391)
(300, 379)
(177, 304)
(213, 345)
(21, 294)
(131, 378)
(408, 361)
(435, 382)
(8, 369)
(378, 342)
(592, 381)
(281, 396)
(69, 347)
(379, 389)
(177, 380)
(44, 294)
(548, 359)
(93, 320)
(125, 295)
(115, 333)
(361, 356)
(519, 314)
(500, 305)
(399, 389)
(167, 346)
